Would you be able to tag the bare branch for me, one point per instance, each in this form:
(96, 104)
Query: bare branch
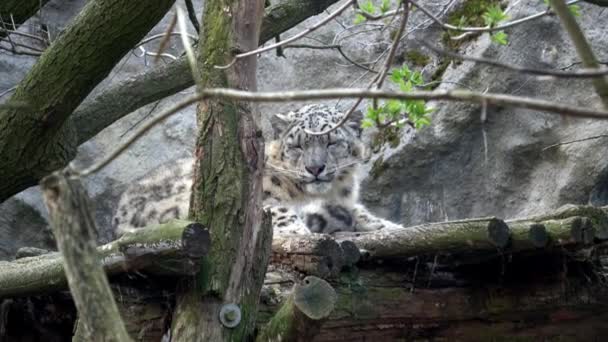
(378, 80)
(290, 39)
(583, 73)
(192, 15)
(334, 46)
(305, 95)
(582, 46)
(600, 136)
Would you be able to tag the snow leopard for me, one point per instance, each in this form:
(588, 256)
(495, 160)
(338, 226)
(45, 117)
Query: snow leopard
(310, 182)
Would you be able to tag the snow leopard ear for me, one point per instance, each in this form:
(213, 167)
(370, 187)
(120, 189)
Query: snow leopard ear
(279, 123)
(354, 122)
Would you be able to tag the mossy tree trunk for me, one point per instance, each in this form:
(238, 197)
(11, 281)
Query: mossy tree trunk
(34, 139)
(227, 191)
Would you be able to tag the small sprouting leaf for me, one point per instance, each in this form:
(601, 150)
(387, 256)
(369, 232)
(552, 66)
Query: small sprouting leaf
(493, 15)
(367, 123)
(368, 7)
(385, 6)
(359, 18)
(575, 10)
(462, 21)
(500, 38)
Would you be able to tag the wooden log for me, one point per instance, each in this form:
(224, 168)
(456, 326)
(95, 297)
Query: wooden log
(155, 250)
(300, 317)
(378, 305)
(314, 254)
(598, 217)
(482, 235)
(75, 232)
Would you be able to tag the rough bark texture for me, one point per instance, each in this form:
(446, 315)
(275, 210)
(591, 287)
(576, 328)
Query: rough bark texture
(154, 250)
(74, 230)
(301, 315)
(227, 184)
(34, 140)
(18, 11)
(482, 235)
(123, 98)
(318, 255)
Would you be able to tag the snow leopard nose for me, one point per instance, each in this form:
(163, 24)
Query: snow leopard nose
(315, 170)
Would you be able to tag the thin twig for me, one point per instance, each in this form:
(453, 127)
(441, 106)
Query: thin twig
(162, 35)
(582, 73)
(450, 95)
(288, 40)
(290, 96)
(334, 46)
(575, 141)
(8, 91)
(378, 80)
(192, 15)
(138, 134)
(393, 49)
(181, 22)
(165, 40)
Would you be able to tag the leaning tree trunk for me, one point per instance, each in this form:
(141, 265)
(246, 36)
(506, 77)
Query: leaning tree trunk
(221, 304)
(34, 139)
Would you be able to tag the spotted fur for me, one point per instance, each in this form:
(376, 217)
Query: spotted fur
(311, 182)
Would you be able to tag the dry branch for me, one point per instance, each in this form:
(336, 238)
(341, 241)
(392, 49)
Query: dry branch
(162, 250)
(75, 232)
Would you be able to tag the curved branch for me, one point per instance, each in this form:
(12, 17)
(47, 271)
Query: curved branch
(99, 112)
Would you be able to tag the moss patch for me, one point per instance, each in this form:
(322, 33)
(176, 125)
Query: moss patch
(469, 13)
(417, 58)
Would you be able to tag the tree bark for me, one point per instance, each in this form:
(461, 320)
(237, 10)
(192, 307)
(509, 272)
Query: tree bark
(173, 248)
(18, 11)
(34, 139)
(75, 232)
(97, 113)
(227, 190)
(302, 314)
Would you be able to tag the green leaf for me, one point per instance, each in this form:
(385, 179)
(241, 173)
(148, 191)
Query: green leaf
(367, 123)
(575, 10)
(493, 15)
(500, 38)
(385, 6)
(368, 7)
(359, 18)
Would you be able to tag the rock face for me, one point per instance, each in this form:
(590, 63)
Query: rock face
(459, 167)
(463, 167)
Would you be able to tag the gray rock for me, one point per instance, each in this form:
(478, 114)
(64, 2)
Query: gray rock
(459, 167)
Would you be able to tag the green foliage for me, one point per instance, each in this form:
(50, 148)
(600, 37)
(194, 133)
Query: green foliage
(417, 58)
(493, 15)
(500, 37)
(475, 13)
(385, 6)
(393, 112)
(368, 7)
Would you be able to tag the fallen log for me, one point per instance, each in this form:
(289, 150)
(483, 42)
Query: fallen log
(314, 254)
(166, 249)
(301, 315)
